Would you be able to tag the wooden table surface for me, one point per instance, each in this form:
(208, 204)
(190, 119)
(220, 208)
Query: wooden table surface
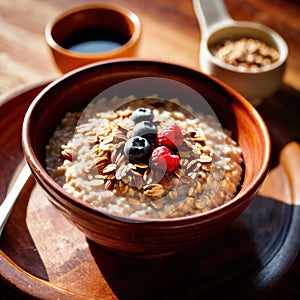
(170, 33)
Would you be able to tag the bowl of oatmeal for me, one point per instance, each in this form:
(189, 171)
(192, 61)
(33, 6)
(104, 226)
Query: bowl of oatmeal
(145, 157)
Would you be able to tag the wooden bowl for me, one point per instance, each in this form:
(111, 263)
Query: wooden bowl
(104, 31)
(75, 90)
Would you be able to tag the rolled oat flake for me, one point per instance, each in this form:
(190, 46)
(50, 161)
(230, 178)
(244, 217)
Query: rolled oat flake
(246, 53)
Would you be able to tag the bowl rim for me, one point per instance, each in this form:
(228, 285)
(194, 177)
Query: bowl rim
(117, 8)
(45, 179)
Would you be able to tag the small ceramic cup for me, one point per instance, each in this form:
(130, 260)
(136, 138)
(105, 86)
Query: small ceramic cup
(90, 33)
(216, 26)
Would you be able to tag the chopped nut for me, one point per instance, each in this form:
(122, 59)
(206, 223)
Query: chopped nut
(205, 158)
(153, 190)
(101, 163)
(109, 184)
(187, 180)
(110, 168)
(123, 188)
(137, 183)
(68, 154)
(165, 182)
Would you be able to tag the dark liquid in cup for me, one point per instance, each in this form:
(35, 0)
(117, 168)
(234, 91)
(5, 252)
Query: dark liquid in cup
(94, 41)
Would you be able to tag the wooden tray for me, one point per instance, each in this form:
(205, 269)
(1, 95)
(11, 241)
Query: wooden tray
(45, 257)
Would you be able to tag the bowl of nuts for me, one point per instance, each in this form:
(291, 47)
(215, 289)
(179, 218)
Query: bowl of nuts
(248, 56)
(145, 158)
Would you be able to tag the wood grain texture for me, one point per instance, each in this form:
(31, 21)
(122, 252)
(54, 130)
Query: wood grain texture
(46, 257)
(171, 33)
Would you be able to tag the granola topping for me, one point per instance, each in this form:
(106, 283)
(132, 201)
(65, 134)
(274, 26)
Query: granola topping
(193, 165)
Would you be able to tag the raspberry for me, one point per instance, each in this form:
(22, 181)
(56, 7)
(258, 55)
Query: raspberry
(170, 136)
(163, 160)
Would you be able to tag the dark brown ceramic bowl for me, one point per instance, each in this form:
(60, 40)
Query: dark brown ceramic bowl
(75, 90)
(103, 22)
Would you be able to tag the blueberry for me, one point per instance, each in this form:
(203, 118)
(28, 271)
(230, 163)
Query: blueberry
(146, 129)
(137, 149)
(142, 114)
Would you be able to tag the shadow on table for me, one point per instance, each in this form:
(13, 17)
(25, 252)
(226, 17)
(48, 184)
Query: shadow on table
(281, 113)
(229, 265)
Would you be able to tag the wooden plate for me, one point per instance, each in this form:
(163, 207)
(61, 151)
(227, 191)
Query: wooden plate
(45, 257)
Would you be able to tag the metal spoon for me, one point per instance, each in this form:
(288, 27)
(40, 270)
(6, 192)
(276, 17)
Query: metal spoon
(9, 201)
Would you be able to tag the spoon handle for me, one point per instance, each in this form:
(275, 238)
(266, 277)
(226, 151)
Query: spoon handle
(290, 159)
(210, 12)
(9, 201)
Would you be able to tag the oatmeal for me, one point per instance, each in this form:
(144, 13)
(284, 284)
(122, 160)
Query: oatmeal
(246, 53)
(146, 159)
